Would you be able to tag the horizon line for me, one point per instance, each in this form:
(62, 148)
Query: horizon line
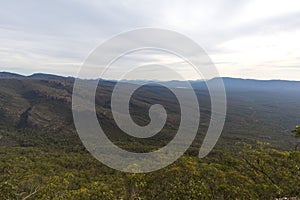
(146, 80)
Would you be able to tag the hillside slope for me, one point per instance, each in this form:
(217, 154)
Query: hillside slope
(37, 109)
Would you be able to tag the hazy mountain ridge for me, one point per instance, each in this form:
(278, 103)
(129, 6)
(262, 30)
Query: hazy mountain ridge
(229, 82)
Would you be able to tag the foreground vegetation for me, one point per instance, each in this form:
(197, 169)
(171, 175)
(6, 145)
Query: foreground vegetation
(41, 156)
(253, 172)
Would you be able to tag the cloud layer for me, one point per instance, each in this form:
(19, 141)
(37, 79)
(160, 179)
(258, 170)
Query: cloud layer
(249, 39)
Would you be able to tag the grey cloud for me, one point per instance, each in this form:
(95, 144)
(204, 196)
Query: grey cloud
(65, 31)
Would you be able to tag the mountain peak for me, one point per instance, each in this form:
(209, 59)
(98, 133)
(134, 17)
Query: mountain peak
(44, 76)
(10, 75)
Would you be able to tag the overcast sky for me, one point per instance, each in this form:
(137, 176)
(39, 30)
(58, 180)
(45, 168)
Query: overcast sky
(248, 39)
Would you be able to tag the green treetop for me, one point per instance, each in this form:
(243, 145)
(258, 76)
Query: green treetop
(296, 131)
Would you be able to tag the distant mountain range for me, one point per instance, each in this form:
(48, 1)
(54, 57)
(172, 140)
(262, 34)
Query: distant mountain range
(229, 83)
